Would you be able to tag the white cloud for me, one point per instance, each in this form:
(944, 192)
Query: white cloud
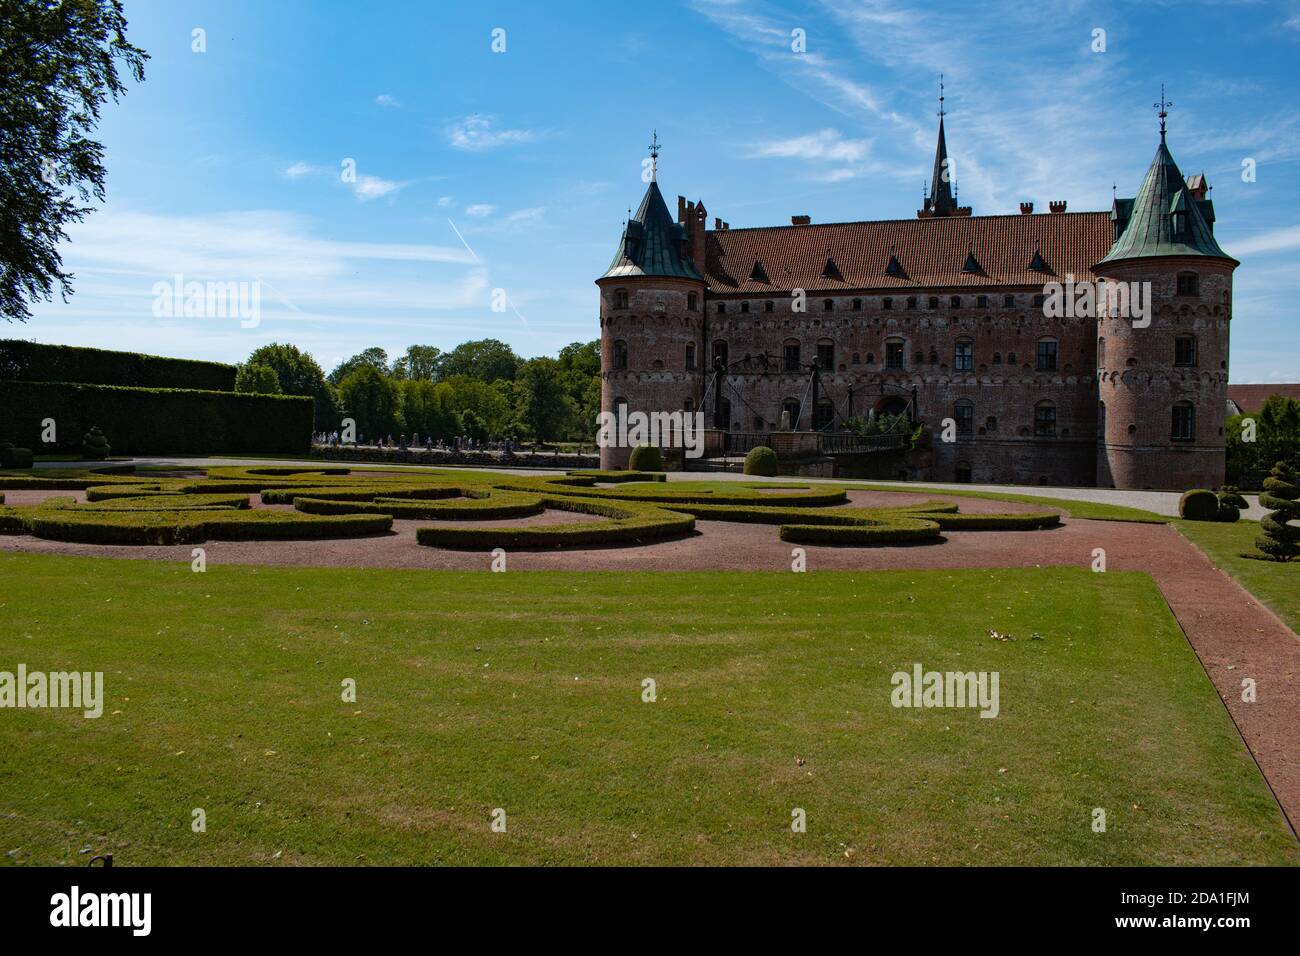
(1276, 240)
(827, 144)
(480, 209)
(387, 101)
(444, 201)
(300, 169)
(367, 188)
(477, 133)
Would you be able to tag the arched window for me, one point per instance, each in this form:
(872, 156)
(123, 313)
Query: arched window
(963, 413)
(1189, 283)
(981, 302)
(722, 308)
(1047, 355)
(790, 356)
(744, 307)
(690, 355)
(1184, 422)
(871, 358)
(620, 354)
(767, 306)
(954, 301)
(1185, 350)
(857, 305)
(886, 303)
(828, 305)
(1045, 420)
(1101, 351)
(911, 302)
(620, 298)
(1011, 358)
(719, 352)
(934, 302)
(963, 356)
(825, 353)
(857, 360)
(1008, 302)
(997, 358)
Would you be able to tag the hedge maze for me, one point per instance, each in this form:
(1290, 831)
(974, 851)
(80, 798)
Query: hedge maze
(631, 508)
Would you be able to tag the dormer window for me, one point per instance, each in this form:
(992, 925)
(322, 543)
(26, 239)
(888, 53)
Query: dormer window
(1179, 223)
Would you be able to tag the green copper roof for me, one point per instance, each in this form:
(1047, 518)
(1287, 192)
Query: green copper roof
(652, 245)
(1151, 217)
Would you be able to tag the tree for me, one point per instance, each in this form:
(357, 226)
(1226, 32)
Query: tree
(422, 410)
(419, 362)
(490, 403)
(1278, 539)
(257, 378)
(543, 406)
(580, 373)
(1276, 433)
(371, 399)
(58, 64)
(487, 360)
(374, 356)
(299, 375)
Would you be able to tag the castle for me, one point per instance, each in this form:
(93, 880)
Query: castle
(945, 316)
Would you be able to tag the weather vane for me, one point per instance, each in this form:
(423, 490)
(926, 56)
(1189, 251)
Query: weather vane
(1164, 108)
(654, 155)
(940, 96)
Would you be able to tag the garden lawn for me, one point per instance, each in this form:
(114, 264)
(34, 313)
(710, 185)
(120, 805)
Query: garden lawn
(1275, 583)
(1093, 510)
(524, 691)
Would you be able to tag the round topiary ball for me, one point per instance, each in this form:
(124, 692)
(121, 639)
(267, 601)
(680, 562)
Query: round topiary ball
(1198, 505)
(761, 461)
(94, 445)
(645, 458)
(1228, 512)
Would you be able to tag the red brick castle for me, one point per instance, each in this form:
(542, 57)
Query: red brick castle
(944, 316)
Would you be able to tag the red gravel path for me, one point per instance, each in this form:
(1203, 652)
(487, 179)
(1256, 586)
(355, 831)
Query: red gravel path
(1233, 634)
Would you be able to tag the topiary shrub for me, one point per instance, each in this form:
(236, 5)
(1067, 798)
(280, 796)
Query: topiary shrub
(1199, 505)
(1228, 512)
(94, 445)
(761, 461)
(645, 458)
(1232, 495)
(12, 457)
(1278, 539)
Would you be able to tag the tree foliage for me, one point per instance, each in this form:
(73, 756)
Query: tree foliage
(58, 64)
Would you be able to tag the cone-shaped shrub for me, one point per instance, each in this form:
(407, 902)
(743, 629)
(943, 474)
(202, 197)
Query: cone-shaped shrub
(761, 461)
(1278, 539)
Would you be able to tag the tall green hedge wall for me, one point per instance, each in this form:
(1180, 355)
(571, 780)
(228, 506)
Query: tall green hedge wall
(140, 421)
(33, 362)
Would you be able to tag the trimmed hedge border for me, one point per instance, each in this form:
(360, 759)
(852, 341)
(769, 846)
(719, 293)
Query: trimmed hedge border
(1029, 521)
(480, 507)
(628, 524)
(186, 527)
(667, 497)
(875, 531)
(36, 362)
(617, 477)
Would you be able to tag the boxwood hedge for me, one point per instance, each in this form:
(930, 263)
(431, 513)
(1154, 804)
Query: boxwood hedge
(35, 362)
(627, 523)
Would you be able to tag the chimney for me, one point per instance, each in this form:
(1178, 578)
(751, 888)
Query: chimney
(1026, 209)
(717, 223)
(801, 220)
(681, 208)
(1057, 205)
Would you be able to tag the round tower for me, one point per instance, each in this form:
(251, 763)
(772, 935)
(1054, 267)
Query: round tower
(1164, 304)
(652, 323)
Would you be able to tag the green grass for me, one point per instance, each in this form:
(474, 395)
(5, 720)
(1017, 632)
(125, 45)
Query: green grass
(1273, 582)
(1076, 509)
(523, 691)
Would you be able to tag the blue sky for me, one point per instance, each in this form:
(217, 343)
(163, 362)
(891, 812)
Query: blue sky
(479, 170)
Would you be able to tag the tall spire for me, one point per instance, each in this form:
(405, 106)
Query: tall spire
(654, 156)
(941, 201)
(1163, 107)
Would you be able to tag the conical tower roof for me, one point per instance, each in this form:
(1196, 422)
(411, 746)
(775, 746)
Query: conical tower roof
(652, 244)
(1163, 197)
(941, 202)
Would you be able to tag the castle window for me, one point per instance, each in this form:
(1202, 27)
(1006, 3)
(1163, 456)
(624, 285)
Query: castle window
(744, 307)
(688, 405)
(767, 306)
(886, 303)
(722, 308)
(690, 356)
(1045, 420)
(991, 423)
(934, 356)
(997, 358)
(1185, 350)
(1011, 358)
(791, 407)
(1039, 299)
(1101, 352)
(894, 354)
(690, 301)
(828, 305)
(1047, 355)
(934, 302)
(720, 352)
(790, 356)
(963, 358)
(1184, 422)
(981, 302)
(964, 414)
(955, 301)
(823, 415)
(871, 358)
(1008, 301)
(911, 302)
(1188, 283)
(620, 354)
(856, 359)
(620, 298)
(826, 354)
(857, 305)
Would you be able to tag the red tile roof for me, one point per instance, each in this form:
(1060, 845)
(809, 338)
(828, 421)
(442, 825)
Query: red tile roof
(1251, 398)
(931, 252)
